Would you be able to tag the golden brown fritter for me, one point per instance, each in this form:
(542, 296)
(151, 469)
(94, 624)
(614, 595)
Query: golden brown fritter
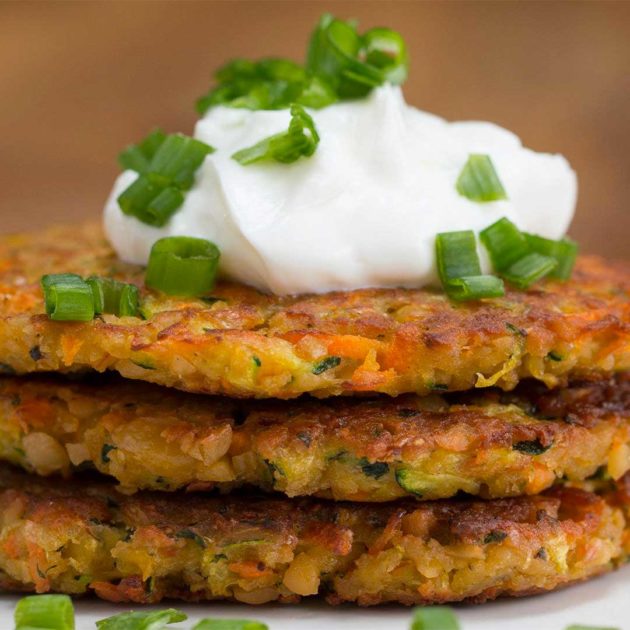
(242, 343)
(487, 443)
(82, 538)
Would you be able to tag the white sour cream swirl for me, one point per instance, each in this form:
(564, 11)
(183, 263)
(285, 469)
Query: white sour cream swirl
(363, 211)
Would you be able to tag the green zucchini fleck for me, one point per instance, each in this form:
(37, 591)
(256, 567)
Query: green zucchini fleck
(326, 364)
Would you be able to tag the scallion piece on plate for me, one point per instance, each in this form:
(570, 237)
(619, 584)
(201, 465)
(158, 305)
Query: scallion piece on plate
(459, 268)
(564, 251)
(115, 297)
(478, 180)
(137, 157)
(44, 612)
(529, 269)
(505, 243)
(229, 624)
(434, 618)
(183, 265)
(67, 298)
(150, 620)
(301, 139)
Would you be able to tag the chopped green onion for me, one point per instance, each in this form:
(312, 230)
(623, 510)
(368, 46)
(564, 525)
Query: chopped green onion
(457, 255)
(529, 269)
(155, 620)
(266, 84)
(229, 624)
(459, 268)
(67, 298)
(145, 200)
(386, 49)
(434, 618)
(111, 296)
(316, 94)
(44, 612)
(355, 64)
(564, 251)
(475, 287)
(525, 258)
(137, 157)
(157, 194)
(301, 139)
(178, 158)
(182, 265)
(478, 181)
(579, 627)
(505, 243)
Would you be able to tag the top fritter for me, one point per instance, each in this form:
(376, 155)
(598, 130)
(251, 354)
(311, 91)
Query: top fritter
(243, 343)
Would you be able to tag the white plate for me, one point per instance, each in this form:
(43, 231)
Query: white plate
(602, 602)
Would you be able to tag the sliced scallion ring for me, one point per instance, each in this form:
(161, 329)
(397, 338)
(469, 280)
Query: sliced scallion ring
(137, 157)
(563, 251)
(143, 620)
(53, 612)
(183, 265)
(478, 180)
(115, 297)
(166, 167)
(67, 298)
(459, 268)
(529, 269)
(434, 618)
(505, 243)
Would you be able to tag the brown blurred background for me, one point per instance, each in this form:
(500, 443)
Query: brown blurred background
(79, 80)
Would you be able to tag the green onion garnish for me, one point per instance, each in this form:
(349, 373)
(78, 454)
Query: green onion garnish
(580, 627)
(229, 624)
(475, 288)
(459, 268)
(155, 620)
(505, 243)
(44, 612)
(182, 265)
(67, 298)
(301, 139)
(354, 64)
(111, 296)
(525, 258)
(266, 84)
(529, 269)
(434, 618)
(564, 251)
(166, 167)
(137, 157)
(340, 64)
(478, 181)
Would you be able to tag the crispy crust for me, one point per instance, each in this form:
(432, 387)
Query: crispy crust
(81, 538)
(251, 345)
(487, 443)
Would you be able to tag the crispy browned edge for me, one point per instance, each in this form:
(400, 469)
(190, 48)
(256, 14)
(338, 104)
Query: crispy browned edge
(382, 431)
(339, 530)
(387, 341)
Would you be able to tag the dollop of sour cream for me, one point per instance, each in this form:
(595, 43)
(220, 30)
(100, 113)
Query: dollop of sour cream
(363, 211)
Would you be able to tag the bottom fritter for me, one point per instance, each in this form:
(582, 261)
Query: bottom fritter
(57, 536)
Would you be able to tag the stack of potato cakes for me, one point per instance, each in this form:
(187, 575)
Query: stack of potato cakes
(369, 446)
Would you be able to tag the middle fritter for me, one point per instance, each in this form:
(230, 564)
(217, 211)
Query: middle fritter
(490, 443)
